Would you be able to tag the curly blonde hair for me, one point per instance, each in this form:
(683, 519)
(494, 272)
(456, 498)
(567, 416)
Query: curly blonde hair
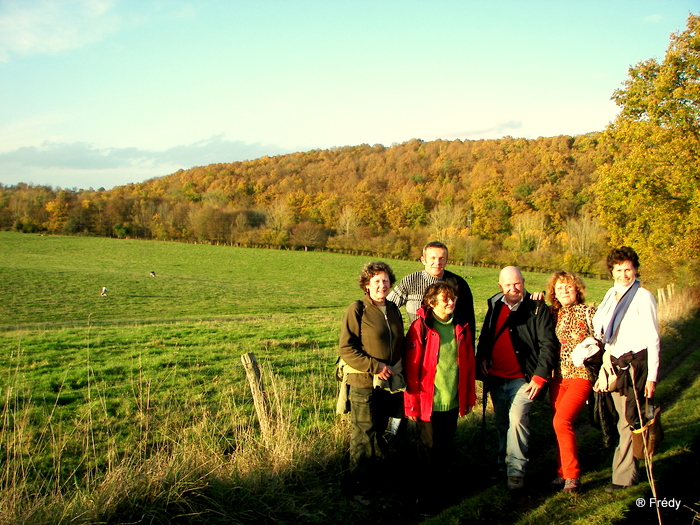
(569, 278)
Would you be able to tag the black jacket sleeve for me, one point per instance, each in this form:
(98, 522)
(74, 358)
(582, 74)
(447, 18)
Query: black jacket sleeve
(538, 344)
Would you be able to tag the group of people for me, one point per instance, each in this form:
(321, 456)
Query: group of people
(428, 374)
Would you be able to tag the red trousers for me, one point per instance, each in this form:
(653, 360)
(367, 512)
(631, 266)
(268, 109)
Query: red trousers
(568, 398)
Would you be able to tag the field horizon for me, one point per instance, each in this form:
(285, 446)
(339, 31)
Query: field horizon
(57, 279)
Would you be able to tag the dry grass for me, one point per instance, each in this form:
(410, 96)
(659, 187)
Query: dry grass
(677, 306)
(205, 468)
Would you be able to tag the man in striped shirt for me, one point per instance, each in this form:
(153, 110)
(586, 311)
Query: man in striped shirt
(411, 289)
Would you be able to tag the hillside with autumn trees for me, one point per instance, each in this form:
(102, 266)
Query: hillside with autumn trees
(492, 201)
(556, 202)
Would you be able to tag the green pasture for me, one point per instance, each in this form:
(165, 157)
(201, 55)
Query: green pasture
(54, 279)
(90, 380)
(187, 327)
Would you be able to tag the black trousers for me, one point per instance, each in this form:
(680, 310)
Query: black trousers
(370, 410)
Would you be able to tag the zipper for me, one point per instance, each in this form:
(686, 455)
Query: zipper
(391, 345)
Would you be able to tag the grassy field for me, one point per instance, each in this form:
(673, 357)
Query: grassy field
(134, 407)
(53, 279)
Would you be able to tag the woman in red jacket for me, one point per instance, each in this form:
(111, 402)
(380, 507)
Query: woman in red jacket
(439, 367)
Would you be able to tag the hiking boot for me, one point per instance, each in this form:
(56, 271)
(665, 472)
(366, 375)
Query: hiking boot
(515, 482)
(612, 488)
(572, 485)
(558, 482)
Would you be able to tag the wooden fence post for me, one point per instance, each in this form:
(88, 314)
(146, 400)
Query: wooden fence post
(662, 295)
(262, 408)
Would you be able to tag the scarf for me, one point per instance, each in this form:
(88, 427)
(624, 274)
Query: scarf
(620, 309)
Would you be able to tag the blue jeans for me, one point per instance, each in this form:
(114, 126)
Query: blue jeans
(511, 408)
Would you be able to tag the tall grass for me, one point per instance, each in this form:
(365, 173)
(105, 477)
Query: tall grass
(187, 460)
(678, 309)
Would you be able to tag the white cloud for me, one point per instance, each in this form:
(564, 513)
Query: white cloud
(216, 149)
(499, 130)
(30, 27)
(81, 155)
(82, 165)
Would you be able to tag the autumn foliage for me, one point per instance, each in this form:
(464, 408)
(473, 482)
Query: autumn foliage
(507, 200)
(557, 202)
(649, 196)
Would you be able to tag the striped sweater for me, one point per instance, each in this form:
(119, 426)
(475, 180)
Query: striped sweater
(411, 289)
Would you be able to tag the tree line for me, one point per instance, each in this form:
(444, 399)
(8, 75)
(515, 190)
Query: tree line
(551, 202)
(492, 201)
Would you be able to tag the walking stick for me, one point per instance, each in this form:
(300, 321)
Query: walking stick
(484, 402)
(648, 461)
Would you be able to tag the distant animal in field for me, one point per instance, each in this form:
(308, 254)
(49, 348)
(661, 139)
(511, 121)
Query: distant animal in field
(103, 291)
(153, 274)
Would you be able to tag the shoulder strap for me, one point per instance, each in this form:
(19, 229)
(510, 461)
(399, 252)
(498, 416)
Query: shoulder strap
(500, 331)
(619, 312)
(360, 310)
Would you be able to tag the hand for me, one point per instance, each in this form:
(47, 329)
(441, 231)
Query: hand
(384, 372)
(532, 389)
(649, 389)
(484, 368)
(469, 410)
(412, 418)
(537, 296)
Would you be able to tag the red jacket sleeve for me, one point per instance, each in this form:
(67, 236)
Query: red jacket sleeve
(412, 365)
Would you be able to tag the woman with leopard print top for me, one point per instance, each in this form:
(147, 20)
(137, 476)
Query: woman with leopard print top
(571, 385)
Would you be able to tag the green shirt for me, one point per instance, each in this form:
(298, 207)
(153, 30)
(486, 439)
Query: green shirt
(447, 372)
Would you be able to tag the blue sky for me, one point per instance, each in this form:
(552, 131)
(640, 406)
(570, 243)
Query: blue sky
(99, 93)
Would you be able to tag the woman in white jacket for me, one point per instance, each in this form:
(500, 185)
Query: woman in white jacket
(626, 322)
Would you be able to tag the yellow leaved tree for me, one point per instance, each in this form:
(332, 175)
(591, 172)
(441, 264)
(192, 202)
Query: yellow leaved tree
(648, 197)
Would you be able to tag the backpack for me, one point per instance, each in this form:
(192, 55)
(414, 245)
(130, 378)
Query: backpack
(339, 363)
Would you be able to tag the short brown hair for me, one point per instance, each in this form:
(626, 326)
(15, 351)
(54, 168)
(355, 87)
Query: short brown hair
(569, 278)
(622, 254)
(436, 244)
(436, 290)
(370, 270)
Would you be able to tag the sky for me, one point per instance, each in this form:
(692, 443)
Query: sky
(102, 93)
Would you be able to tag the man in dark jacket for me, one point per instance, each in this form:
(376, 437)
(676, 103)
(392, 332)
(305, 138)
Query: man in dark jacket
(517, 351)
